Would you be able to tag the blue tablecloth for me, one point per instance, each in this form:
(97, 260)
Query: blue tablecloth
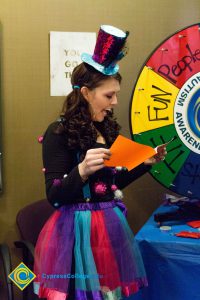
(172, 263)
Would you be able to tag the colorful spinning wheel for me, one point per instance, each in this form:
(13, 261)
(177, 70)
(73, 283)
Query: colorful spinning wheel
(166, 104)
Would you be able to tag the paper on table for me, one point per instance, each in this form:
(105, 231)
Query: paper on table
(129, 154)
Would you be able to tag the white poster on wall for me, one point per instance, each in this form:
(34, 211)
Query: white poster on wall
(65, 54)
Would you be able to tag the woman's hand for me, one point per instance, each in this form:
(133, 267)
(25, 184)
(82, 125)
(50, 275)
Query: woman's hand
(159, 156)
(93, 161)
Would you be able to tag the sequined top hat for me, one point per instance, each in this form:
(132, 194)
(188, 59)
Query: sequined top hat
(109, 49)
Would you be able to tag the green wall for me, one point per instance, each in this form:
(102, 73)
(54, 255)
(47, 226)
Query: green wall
(27, 107)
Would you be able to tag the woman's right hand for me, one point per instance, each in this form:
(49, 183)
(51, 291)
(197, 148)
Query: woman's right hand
(93, 161)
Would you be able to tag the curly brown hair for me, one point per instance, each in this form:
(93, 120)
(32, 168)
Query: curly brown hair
(76, 119)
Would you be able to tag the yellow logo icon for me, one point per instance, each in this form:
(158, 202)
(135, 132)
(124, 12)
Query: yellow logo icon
(22, 276)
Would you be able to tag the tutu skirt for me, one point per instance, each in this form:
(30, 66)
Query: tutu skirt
(92, 246)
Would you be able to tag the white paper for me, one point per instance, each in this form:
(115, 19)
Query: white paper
(65, 53)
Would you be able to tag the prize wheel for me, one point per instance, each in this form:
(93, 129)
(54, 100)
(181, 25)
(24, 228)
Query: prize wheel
(165, 105)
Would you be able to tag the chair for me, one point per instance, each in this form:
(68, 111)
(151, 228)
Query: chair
(30, 221)
(6, 287)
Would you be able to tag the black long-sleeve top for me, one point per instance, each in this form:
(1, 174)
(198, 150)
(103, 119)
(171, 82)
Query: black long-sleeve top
(63, 182)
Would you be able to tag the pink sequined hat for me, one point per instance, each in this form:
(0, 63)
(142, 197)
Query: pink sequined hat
(109, 49)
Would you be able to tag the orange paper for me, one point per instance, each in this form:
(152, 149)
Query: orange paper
(127, 153)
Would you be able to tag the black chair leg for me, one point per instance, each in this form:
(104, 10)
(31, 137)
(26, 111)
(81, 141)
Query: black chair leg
(6, 258)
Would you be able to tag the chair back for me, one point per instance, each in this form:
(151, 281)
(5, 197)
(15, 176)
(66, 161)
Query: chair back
(32, 218)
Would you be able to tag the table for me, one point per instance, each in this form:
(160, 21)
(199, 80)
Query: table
(172, 263)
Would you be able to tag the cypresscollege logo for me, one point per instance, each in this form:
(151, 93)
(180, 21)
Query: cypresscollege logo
(22, 276)
(187, 113)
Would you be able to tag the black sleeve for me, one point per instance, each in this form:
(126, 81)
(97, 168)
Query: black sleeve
(123, 179)
(62, 178)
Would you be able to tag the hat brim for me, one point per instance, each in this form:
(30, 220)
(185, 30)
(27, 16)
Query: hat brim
(87, 58)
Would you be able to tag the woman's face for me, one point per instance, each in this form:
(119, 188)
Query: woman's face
(102, 99)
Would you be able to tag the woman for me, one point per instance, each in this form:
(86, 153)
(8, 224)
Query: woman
(86, 250)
